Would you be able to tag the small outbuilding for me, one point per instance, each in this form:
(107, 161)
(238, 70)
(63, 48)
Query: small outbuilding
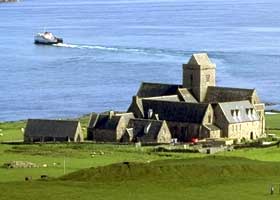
(45, 130)
(108, 127)
(147, 131)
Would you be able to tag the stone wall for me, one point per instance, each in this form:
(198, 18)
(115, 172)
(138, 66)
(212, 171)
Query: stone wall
(207, 133)
(215, 134)
(221, 122)
(209, 116)
(135, 107)
(260, 108)
(184, 131)
(164, 135)
(121, 128)
(79, 137)
(104, 135)
(197, 78)
(247, 130)
(237, 130)
(47, 139)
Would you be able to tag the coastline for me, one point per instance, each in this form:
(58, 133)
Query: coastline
(65, 118)
(8, 1)
(269, 111)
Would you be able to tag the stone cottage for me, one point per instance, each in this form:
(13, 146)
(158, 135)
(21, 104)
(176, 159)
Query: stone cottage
(115, 127)
(184, 119)
(43, 130)
(147, 131)
(197, 108)
(238, 119)
(108, 127)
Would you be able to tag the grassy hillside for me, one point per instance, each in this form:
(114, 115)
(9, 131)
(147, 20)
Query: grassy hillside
(76, 156)
(194, 168)
(11, 131)
(92, 172)
(204, 178)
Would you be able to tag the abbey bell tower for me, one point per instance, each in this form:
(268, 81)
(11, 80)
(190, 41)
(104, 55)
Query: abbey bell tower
(198, 74)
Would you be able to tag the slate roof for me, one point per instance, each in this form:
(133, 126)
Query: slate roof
(104, 121)
(136, 107)
(212, 127)
(92, 119)
(200, 59)
(174, 98)
(129, 131)
(186, 96)
(145, 129)
(157, 89)
(51, 128)
(227, 108)
(224, 94)
(176, 111)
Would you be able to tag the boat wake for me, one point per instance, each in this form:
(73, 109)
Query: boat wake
(124, 49)
(76, 46)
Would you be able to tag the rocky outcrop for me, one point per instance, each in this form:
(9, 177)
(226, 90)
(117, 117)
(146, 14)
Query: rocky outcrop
(19, 164)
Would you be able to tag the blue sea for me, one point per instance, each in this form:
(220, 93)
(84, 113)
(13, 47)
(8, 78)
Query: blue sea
(111, 46)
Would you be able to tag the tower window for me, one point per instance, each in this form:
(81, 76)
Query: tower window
(232, 113)
(209, 119)
(191, 79)
(207, 77)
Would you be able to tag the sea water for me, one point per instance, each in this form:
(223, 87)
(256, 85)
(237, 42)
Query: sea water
(111, 46)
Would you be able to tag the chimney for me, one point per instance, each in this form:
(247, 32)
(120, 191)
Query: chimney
(111, 114)
(150, 113)
(135, 98)
(147, 128)
(156, 116)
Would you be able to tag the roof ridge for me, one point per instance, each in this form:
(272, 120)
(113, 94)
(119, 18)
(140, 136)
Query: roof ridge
(232, 88)
(234, 101)
(57, 120)
(177, 102)
(152, 120)
(156, 83)
(200, 59)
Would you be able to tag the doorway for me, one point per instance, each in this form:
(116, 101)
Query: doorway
(251, 135)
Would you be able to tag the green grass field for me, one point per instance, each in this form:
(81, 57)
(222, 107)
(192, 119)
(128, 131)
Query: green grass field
(203, 178)
(273, 121)
(92, 172)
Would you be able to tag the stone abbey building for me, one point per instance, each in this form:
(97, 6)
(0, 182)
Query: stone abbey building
(198, 108)
(195, 109)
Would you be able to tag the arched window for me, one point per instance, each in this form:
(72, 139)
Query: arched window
(209, 119)
(207, 77)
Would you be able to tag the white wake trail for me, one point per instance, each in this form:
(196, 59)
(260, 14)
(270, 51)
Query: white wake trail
(123, 49)
(76, 46)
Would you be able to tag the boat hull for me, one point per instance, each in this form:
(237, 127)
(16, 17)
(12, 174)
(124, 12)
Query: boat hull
(41, 40)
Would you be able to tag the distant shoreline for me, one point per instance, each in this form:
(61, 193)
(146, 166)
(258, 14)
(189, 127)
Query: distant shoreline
(268, 110)
(8, 1)
(70, 118)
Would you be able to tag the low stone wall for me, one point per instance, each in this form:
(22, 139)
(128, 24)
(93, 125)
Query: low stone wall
(19, 164)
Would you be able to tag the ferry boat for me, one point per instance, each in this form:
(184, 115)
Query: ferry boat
(47, 38)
